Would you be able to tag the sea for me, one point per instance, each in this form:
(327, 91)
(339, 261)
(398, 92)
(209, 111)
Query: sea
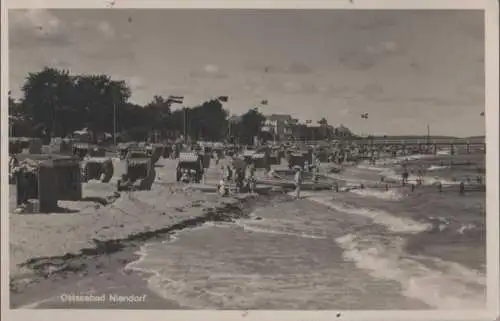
(371, 248)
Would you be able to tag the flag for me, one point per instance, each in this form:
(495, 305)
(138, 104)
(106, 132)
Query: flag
(176, 99)
(223, 98)
(264, 102)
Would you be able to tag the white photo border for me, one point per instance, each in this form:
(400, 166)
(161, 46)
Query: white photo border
(491, 21)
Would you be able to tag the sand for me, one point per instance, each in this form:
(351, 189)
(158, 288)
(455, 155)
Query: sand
(90, 227)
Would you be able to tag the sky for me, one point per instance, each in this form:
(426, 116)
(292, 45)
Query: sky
(406, 69)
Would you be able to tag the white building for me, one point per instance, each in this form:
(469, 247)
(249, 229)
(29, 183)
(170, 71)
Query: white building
(280, 126)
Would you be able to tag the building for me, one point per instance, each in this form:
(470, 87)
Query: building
(342, 132)
(280, 126)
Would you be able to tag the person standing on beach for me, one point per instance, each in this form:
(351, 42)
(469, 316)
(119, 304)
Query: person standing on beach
(298, 181)
(250, 177)
(315, 176)
(229, 173)
(420, 174)
(404, 175)
(216, 157)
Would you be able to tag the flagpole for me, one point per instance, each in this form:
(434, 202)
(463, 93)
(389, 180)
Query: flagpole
(184, 122)
(114, 122)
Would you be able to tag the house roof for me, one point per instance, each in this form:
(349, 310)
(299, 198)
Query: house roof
(277, 117)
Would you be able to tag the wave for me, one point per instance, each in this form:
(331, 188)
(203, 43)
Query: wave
(263, 228)
(390, 195)
(370, 168)
(393, 223)
(426, 180)
(436, 168)
(451, 286)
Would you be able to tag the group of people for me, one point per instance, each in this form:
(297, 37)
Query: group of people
(249, 180)
(242, 177)
(187, 175)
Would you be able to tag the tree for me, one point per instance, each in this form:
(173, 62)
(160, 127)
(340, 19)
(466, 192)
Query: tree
(47, 98)
(100, 99)
(324, 131)
(209, 121)
(250, 126)
(158, 111)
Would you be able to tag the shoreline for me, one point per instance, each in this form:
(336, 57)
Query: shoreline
(109, 258)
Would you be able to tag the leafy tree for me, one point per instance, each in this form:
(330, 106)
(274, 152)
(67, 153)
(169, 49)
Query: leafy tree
(158, 112)
(100, 99)
(208, 121)
(47, 97)
(250, 126)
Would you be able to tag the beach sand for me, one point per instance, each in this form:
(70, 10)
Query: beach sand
(81, 239)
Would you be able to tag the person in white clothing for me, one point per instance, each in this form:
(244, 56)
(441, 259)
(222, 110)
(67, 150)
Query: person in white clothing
(298, 181)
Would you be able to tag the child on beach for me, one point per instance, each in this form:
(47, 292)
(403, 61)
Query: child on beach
(222, 188)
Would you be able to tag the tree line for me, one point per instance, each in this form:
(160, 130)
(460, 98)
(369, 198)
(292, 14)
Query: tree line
(55, 103)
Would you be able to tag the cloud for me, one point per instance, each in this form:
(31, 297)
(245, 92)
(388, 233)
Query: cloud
(136, 83)
(36, 26)
(211, 69)
(58, 63)
(292, 68)
(34, 18)
(372, 91)
(344, 112)
(299, 68)
(293, 87)
(384, 47)
(208, 71)
(370, 56)
(105, 29)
